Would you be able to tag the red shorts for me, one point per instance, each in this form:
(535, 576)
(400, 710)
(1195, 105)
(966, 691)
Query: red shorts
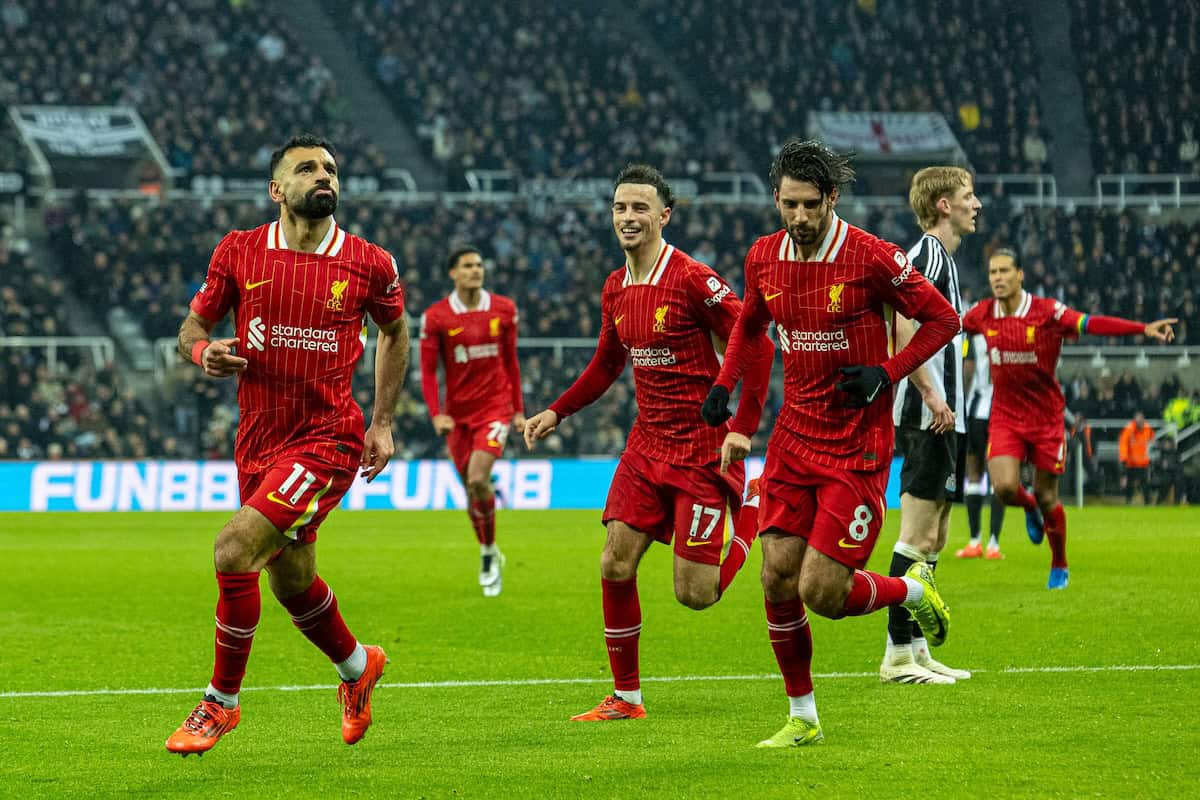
(839, 512)
(467, 437)
(296, 494)
(670, 500)
(1045, 448)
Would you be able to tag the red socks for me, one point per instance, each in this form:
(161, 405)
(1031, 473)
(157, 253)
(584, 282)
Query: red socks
(315, 614)
(622, 627)
(745, 530)
(871, 592)
(483, 519)
(1025, 500)
(791, 639)
(239, 604)
(1056, 536)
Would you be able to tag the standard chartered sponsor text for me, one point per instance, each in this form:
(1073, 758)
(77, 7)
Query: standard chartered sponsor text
(293, 338)
(819, 341)
(652, 356)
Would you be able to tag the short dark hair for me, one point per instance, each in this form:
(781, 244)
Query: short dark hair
(1006, 251)
(300, 140)
(459, 252)
(644, 173)
(812, 162)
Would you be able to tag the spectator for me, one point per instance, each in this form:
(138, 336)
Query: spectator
(1167, 478)
(1135, 455)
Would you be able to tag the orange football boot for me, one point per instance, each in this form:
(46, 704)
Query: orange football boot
(994, 554)
(970, 551)
(207, 723)
(612, 708)
(355, 697)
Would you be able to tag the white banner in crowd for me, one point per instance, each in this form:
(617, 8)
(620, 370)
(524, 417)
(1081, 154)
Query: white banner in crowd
(897, 135)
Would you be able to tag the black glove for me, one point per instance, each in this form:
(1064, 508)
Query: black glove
(716, 406)
(862, 384)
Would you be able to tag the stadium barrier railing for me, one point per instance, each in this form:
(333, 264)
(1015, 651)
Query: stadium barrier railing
(100, 349)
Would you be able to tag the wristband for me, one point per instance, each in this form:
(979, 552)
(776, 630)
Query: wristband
(198, 352)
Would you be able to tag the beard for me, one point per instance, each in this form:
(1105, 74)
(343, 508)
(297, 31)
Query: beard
(315, 206)
(803, 234)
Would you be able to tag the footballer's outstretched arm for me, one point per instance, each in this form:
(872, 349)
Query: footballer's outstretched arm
(391, 362)
(216, 357)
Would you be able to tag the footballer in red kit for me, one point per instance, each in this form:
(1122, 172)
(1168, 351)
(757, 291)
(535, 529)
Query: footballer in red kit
(830, 290)
(1024, 336)
(473, 332)
(300, 289)
(670, 315)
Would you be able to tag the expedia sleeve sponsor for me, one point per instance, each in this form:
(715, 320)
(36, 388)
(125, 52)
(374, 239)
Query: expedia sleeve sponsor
(652, 356)
(293, 338)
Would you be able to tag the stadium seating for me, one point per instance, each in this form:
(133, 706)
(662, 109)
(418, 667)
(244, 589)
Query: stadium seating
(215, 85)
(1138, 66)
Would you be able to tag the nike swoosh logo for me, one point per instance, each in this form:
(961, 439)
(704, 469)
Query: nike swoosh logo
(771, 296)
(695, 543)
(874, 394)
(617, 321)
(276, 499)
(842, 543)
(250, 285)
(455, 331)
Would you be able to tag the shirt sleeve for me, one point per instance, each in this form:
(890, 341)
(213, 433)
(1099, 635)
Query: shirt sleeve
(605, 367)
(219, 292)
(973, 320)
(713, 301)
(751, 323)
(429, 360)
(386, 303)
(1067, 321)
(916, 298)
(512, 364)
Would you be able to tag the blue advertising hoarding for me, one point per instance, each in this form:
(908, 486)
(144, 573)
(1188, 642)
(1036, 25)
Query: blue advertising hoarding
(212, 485)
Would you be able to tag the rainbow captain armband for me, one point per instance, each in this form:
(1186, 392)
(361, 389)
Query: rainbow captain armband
(198, 352)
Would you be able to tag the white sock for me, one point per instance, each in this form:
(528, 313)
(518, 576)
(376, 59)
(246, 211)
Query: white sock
(488, 550)
(993, 543)
(633, 696)
(897, 653)
(919, 645)
(804, 707)
(227, 700)
(915, 592)
(353, 667)
(976, 540)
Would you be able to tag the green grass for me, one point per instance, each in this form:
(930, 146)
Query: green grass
(124, 601)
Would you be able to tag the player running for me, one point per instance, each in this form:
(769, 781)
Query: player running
(830, 289)
(1024, 336)
(672, 315)
(930, 419)
(300, 288)
(474, 333)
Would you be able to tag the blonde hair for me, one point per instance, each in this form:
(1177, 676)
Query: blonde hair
(930, 185)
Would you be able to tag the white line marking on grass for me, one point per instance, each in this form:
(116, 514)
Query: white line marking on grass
(589, 681)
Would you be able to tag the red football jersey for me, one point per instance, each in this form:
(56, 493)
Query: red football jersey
(478, 350)
(665, 325)
(835, 311)
(1023, 350)
(301, 321)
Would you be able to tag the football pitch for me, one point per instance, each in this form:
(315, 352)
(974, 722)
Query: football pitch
(106, 624)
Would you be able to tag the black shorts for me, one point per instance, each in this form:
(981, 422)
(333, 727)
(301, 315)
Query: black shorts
(977, 437)
(934, 464)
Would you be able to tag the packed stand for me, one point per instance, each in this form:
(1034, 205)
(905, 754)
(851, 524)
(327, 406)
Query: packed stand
(1141, 83)
(218, 84)
(766, 65)
(543, 89)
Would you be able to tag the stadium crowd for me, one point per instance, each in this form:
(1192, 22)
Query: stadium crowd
(214, 84)
(765, 77)
(1129, 52)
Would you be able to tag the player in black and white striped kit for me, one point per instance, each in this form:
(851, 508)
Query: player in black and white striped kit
(930, 417)
(975, 487)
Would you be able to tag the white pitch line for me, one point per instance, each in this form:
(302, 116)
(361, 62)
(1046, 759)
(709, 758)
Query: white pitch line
(576, 681)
